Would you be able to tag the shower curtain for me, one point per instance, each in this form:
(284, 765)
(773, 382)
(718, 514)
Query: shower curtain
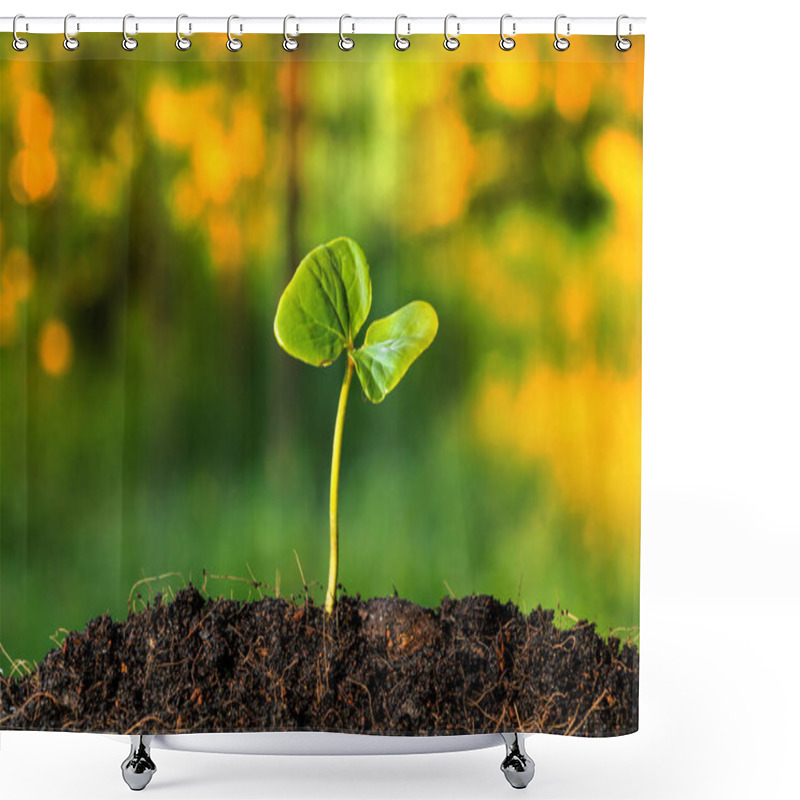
(320, 383)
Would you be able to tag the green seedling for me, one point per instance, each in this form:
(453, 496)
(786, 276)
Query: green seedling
(320, 314)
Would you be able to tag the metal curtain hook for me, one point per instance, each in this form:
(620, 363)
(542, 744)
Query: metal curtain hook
(345, 42)
(623, 45)
(289, 42)
(561, 44)
(506, 42)
(18, 43)
(70, 42)
(182, 43)
(451, 42)
(128, 42)
(233, 44)
(400, 42)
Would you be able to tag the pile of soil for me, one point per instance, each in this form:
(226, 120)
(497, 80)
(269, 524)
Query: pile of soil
(387, 666)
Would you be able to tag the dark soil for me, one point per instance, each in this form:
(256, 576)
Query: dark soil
(385, 666)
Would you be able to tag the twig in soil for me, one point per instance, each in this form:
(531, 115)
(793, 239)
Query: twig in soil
(150, 580)
(277, 583)
(369, 697)
(18, 665)
(631, 636)
(594, 705)
(447, 586)
(33, 697)
(542, 714)
(149, 718)
(256, 583)
(498, 721)
(250, 582)
(54, 636)
(198, 624)
(302, 577)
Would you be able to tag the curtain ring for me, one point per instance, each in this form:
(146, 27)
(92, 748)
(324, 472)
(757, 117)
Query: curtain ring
(70, 42)
(450, 42)
(400, 42)
(345, 42)
(506, 42)
(19, 44)
(128, 42)
(623, 45)
(182, 43)
(233, 44)
(289, 42)
(561, 43)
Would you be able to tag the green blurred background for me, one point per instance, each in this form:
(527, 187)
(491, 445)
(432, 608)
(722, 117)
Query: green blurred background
(151, 214)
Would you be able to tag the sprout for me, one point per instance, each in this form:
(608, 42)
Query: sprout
(320, 314)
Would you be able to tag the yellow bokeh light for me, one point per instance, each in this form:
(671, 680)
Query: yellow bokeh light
(572, 90)
(35, 120)
(23, 75)
(616, 159)
(187, 202)
(100, 187)
(214, 164)
(514, 84)
(32, 175)
(55, 347)
(247, 138)
(220, 152)
(511, 301)
(576, 303)
(441, 169)
(631, 85)
(582, 426)
(173, 115)
(225, 241)
(17, 274)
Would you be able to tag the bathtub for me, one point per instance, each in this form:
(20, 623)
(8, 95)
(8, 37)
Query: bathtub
(139, 767)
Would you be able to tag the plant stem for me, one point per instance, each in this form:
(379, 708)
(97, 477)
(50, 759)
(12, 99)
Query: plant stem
(330, 594)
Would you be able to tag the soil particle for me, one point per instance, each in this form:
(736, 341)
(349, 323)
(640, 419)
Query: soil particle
(383, 666)
(398, 625)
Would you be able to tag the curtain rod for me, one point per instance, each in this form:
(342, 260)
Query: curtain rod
(407, 26)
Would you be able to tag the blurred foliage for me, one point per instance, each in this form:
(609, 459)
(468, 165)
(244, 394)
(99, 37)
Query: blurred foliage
(152, 208)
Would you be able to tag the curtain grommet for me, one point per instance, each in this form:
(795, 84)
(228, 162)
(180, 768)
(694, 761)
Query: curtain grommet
(561, 43)
(622, 44)
(507, 42)
(451, 43)
(70, 42)
(18, 43)
(233, 44)
(401, 43)
(290, 43)
(129, 43)
(182, 42)
(346, 43)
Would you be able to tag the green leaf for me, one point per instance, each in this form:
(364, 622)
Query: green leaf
(325, 304)
(391, 346)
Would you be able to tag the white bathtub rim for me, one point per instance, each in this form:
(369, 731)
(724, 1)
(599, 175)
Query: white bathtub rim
(320, 743)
